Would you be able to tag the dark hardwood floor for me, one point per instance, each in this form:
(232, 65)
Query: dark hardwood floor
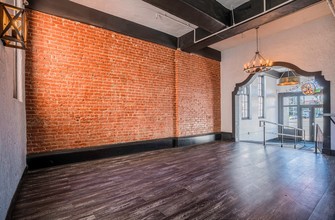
(212, 181)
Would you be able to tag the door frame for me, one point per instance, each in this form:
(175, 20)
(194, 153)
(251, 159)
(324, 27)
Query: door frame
(299, 113)
(326, 100)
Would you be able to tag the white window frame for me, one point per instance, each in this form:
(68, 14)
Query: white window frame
(261, 96)
(245, 102)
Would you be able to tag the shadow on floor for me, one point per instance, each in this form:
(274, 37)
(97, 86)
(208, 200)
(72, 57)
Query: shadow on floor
(300, 145)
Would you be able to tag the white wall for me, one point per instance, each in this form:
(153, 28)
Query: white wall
(248, 129)
(310, 46)
(12, 131)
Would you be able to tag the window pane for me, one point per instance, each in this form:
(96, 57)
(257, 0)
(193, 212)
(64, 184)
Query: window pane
(311, 100)
(319, 117)
(305, 122)
(260, 86)
(260, 107)
(244, 100)
(260, 96)
(292, 100)
(244, 106)
(290, 116)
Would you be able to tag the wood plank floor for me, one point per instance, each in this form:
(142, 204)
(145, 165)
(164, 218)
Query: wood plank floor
(213, 181)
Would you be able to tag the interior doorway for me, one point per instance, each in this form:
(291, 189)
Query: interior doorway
(301, 111)
(297, 110)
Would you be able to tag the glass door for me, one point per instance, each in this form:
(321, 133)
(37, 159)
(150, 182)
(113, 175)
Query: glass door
(300, 111)
(311, 114)
(318, 116)
(289, 116)
(306, 120)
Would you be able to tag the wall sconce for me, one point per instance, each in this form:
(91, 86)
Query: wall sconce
(13, 30)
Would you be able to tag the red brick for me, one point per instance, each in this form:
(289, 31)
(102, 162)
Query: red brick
(86, 86)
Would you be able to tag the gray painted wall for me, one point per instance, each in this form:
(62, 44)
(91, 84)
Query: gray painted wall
(12, 131)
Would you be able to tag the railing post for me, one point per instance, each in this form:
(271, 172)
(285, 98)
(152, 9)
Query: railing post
(264, 140)
(304, 137)
(295, 138)
(282, 135)
(316, 139)
(315, 136)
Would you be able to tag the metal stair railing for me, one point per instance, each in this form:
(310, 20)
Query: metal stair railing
(318, 139)
(262, 123)
(330, 115)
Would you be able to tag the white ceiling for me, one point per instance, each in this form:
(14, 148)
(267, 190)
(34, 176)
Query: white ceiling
(282, 24)
(230, 4)
(145, 14)
(142, 13)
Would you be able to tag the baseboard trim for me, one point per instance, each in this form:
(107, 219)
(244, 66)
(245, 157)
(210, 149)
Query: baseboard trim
(327, 151)
(43, 160)
(197, 139)
(15, 196)
(227, 136)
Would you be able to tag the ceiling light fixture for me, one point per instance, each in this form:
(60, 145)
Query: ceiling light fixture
(257, 63)
(13, 26)
(289, 78)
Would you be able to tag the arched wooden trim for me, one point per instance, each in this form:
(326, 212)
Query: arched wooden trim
(296, 69)
(238, 85)
(326, 98)
(234, 93)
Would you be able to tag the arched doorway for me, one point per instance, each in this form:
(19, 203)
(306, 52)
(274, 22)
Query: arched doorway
(306, 112)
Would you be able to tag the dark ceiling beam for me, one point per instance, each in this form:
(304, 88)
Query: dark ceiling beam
(81, 13)
(76, 12)
(273, 3)
(248, 10)
(206, 14)
(252, 8)
(186, 42)
(209, 53)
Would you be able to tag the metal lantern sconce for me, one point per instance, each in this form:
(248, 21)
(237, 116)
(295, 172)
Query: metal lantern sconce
(13, 30)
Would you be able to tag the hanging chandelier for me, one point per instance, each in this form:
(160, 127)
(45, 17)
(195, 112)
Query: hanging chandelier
(288, 78)
(257, 63)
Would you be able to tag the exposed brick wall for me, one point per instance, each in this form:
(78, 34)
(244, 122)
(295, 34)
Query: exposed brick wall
(198, 92)
(86, 86)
